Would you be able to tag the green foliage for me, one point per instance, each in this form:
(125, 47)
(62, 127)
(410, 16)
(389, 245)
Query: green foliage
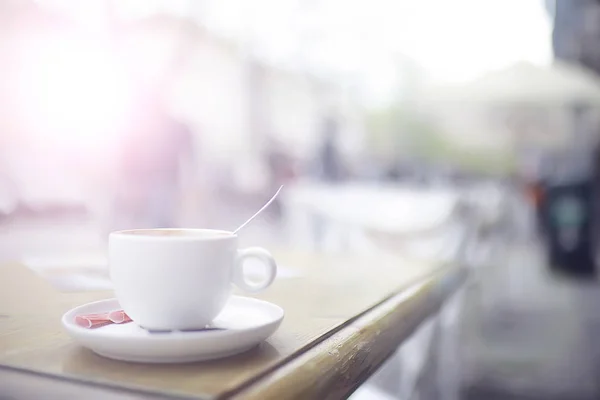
(398, 132)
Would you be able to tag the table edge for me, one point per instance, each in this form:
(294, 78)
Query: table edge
(342, 337)
(336, 365)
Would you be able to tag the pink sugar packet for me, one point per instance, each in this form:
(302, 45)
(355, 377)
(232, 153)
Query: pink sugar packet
(91, 321)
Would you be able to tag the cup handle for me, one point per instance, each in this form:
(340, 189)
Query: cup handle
(242, 281)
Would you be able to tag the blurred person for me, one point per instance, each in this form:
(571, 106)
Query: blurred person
(280, 162)
(394, 172)
(331, 167)
(157, 157)
(281, 167)
(156, 165)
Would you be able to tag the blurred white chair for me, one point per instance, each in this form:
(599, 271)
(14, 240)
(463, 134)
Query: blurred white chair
(431, 225)
(334, 218)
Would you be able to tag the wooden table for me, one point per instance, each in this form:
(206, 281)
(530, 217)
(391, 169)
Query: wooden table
(344, 317)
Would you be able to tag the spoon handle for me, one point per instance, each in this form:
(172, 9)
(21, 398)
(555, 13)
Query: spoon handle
(259, 211)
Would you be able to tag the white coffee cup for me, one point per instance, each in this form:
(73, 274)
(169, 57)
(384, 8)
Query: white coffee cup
(180, 279)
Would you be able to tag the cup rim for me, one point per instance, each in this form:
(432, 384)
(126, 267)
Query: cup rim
(138, 234)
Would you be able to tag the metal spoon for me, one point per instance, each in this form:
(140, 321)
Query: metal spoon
(259, 211)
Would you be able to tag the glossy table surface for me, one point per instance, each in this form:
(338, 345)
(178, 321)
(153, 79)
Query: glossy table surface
(324, 297)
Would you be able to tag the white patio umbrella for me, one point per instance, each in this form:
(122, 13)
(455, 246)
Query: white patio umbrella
(557, 84)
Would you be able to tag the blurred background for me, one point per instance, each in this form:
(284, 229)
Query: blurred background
(131, 113)
(274, 92)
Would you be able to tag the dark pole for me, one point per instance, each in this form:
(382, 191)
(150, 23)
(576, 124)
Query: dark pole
(576, 39)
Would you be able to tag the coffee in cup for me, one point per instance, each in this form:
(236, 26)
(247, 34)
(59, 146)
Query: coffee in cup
(180, 279)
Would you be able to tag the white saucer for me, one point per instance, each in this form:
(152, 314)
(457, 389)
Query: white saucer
(246, 322)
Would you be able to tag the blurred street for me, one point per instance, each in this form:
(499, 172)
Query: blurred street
(528, 334)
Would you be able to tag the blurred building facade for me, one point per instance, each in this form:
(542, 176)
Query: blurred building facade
(234, 98)
(576, 31)
(575, 39)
